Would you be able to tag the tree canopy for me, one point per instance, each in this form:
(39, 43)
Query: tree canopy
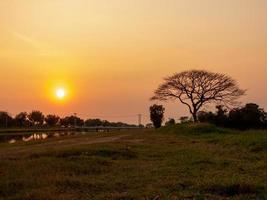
(246, 117)
(197, 88)
(36, 117)
(157, 115)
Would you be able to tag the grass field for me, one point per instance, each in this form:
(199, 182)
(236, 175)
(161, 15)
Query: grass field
(179, 162)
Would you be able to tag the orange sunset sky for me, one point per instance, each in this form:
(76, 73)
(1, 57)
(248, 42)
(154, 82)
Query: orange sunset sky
(109, 55)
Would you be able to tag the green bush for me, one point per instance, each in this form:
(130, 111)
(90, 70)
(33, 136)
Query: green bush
(195, 129)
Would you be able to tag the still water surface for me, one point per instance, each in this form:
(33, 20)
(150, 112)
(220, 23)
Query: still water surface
(13, 138)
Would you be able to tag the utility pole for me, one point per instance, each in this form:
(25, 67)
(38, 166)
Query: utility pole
(139, 119)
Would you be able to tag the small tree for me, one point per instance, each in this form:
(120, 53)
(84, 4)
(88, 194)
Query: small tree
(52, 120)
(157, 115)
(72, 121)
(5, 119)
(207, 117)
(170, 122)
(184, 119)
(21, 119)
(249, 116)
(36, 118)
(197, 88)
(220, 118)
(93, 122)
(149, 125)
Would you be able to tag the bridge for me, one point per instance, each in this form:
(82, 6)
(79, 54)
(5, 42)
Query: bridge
(103, 128)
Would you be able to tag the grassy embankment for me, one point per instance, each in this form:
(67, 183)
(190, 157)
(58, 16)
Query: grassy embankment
(181, 162)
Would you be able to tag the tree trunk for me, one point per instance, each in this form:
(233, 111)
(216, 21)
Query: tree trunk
(195, 117)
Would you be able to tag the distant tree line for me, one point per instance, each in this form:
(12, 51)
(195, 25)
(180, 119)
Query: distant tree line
(38, 119)
(250, 116)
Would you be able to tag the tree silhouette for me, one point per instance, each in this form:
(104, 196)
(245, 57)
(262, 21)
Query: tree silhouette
(5, 120)
(36, 117)
(21, 119)
(185, 119)
(170, 122)
(157, 115)
(52, 120)
(249, 116)
(197, 88)
(72, 121)
(221, 116)
(246, 117)
(94, 122)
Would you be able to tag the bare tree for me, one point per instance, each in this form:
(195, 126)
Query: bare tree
(197, 88)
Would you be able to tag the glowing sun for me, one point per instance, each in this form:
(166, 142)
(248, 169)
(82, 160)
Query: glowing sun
(60, 93)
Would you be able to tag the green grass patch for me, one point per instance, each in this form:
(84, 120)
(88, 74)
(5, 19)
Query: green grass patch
(179, 162)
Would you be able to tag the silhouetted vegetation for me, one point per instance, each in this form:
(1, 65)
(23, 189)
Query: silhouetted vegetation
(52, 120)
(99, 122)
(251, 116)
(185, 119)
(21, 120)
(38, 119)
(94, 122)
(157, 115)
(197, 88)
(71, 121)
(170, 122)
(5, 120)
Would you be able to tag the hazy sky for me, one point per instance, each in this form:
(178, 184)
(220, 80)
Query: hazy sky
(111, 54)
